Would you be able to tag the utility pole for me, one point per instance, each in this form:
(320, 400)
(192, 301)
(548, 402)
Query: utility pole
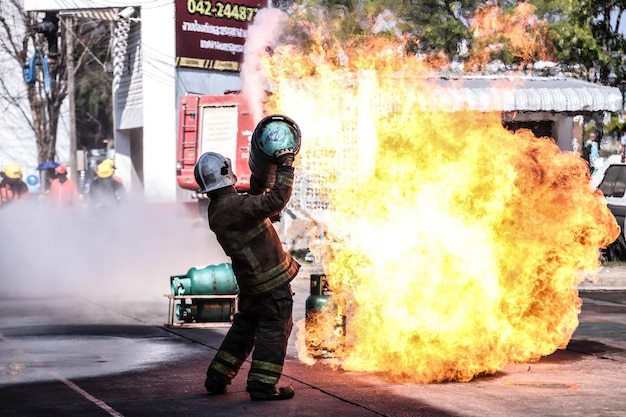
(69, 42)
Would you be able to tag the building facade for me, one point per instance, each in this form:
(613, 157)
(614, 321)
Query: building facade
(146, 84)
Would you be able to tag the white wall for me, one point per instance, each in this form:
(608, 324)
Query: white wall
(159, 89)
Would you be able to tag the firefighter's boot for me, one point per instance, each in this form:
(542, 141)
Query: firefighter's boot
(214, 384)
(270, 393)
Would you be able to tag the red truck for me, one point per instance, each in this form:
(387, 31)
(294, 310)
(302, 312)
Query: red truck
(218, 123)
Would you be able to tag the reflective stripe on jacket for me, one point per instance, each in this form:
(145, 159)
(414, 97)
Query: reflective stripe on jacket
(242, 227)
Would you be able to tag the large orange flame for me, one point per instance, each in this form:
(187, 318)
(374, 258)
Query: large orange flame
(456, 244)
(520, 32)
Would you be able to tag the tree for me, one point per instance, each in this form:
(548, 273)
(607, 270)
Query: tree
(438, 25)
(93, 94)
(583, 36)
(586, 33)
(37, 44)
(37, 49)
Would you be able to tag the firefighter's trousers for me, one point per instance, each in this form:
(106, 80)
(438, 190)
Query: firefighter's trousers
(263, 323)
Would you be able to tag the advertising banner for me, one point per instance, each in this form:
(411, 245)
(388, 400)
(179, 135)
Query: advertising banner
(210, 34)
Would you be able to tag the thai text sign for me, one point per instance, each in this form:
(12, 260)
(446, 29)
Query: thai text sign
(210, 34)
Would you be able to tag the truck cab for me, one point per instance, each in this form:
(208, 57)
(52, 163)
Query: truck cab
(217, 123)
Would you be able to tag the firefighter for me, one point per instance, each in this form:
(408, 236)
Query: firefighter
(12, 188)
(264, 271)
(105, 192)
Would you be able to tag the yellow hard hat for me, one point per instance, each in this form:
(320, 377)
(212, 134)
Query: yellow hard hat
(105, 170)
(12, 170)
(109, 162)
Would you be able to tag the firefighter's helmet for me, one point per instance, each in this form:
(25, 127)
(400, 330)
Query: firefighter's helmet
(213, 171)
(109, 162)
(13, 171)
(104, 170)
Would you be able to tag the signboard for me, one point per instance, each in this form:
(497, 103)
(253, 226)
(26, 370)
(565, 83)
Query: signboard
(210, 34)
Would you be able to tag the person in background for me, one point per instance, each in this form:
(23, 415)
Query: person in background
(105, 192)
(264, 271)
(591, 151)
(622, 142)
(12, 188)
(63, 192)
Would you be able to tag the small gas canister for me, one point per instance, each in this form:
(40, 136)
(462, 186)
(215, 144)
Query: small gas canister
(325, 320)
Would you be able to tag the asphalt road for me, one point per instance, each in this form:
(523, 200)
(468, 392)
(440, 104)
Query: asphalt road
(75, 357)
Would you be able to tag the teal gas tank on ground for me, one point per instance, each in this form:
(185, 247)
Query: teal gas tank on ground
(325, 321)
(219, 310)
(206, 280)
(212, 280)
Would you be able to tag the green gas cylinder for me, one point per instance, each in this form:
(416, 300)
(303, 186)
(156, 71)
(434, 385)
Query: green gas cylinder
(218, 310)
(325, 321)
(273, 136)
(206, 280)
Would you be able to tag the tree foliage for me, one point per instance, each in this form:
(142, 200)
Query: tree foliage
(583, 36)
(589, 35)
(93, 95)
(436, 25)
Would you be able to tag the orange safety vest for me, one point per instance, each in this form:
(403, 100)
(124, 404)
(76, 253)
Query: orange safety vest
(14, 192)
(63, 194)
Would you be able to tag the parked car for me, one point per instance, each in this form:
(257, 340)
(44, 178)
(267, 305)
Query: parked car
(611, 180)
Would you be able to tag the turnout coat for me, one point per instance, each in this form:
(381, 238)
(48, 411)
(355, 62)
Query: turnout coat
(241, 223)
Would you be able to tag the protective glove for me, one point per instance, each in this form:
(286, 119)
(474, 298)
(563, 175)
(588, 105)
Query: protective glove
(286, 159)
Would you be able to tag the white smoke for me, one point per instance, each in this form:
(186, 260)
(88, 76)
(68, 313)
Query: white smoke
(129, 254)
(263, 34)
